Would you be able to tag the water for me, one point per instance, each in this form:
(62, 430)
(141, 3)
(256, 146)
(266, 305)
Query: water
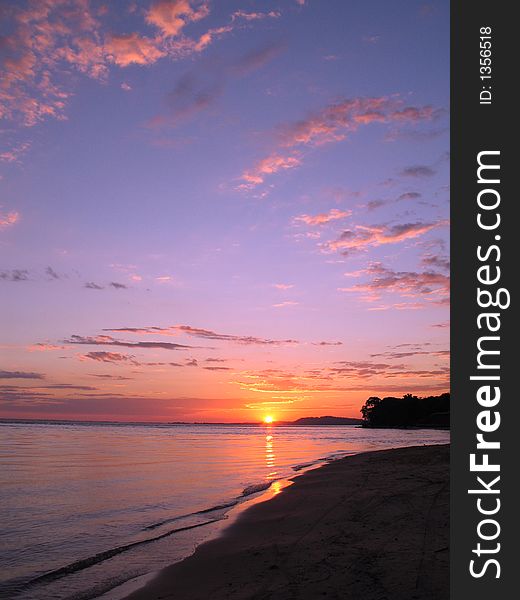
(87, 507)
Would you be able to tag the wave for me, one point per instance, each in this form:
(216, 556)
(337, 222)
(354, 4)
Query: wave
(304, 465)
(192, 514)
(90, 561)
(85, 563)
(256, 487)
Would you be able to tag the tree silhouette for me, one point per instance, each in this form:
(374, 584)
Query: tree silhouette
(407, 411)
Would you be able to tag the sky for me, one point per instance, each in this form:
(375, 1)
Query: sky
(217, 211)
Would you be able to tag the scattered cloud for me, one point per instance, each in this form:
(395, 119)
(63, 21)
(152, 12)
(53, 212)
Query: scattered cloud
(267, 166)
(283, 286)
(132, 48)
(436, 262)
(362, 375)
(332, 124)
(200, 88)
(374, 204)
(113, 284)
(418, 171)
(255, 16)
(51, 273)
(44, 347)
(13, 154)
(409, 196)
(106, 340)
(256, 58)
(206, 334)
(110, 376)
(93, 286)
(285, 304)
(20, 375)
(8, 219)
(65, 386)
(321, 219)
(171, 16)
(412, 353)
(46, 40)
(109, 357)
(424, 285)
(15, 275)
(190, 96)
(365, 236)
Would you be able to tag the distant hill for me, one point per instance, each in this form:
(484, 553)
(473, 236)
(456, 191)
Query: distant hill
(326, 421)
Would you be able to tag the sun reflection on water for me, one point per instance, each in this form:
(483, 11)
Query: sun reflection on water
(270, 457)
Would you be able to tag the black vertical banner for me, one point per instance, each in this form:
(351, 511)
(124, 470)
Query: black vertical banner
(484, 251)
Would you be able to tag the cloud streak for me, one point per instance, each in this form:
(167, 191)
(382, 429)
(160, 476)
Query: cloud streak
(332, 123)
(109, 357)
(106, 340)
(20, 375)
(15, 275)
(9, 219)
(362, 237)
(206, 334)
(334, 214)
(426, 285)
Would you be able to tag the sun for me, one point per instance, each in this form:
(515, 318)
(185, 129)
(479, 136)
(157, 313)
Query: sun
(268, 419)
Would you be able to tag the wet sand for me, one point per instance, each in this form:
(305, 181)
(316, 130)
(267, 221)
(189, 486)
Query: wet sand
(374, 526)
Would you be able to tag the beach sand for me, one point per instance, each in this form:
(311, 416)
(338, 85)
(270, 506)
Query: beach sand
(373, 526)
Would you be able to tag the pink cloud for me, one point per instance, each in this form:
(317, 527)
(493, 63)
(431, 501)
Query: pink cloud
(362, 236)
(46, 38)
(43, 347)
(171, 16)
(41, 36)
(132, 48)
(268, 166)
(14, 153)
(8, 219)
(207, 38)
(207, 334)
(323, 218)
(286, 304)
(254, 16)
(334, 123)
(109, 357)
(86, 54)
(283, 286)
(426, 285)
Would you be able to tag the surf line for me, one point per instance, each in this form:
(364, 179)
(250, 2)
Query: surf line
(491, 300)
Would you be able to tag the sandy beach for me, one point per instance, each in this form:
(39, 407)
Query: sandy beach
(373, 526)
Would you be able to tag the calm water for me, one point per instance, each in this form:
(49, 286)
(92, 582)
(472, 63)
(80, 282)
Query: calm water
(86, 507)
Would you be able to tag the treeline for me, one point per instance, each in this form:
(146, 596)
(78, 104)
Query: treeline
(408, 411)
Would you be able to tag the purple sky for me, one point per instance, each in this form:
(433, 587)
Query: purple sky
(222, 210)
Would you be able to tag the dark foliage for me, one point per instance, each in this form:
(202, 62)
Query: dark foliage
(407, 411)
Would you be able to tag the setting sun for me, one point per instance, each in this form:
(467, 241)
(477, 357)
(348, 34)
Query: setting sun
(268, 419)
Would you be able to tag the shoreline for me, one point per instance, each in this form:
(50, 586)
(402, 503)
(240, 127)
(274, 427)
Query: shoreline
(374, 525)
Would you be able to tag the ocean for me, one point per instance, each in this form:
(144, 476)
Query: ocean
(89, 510)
